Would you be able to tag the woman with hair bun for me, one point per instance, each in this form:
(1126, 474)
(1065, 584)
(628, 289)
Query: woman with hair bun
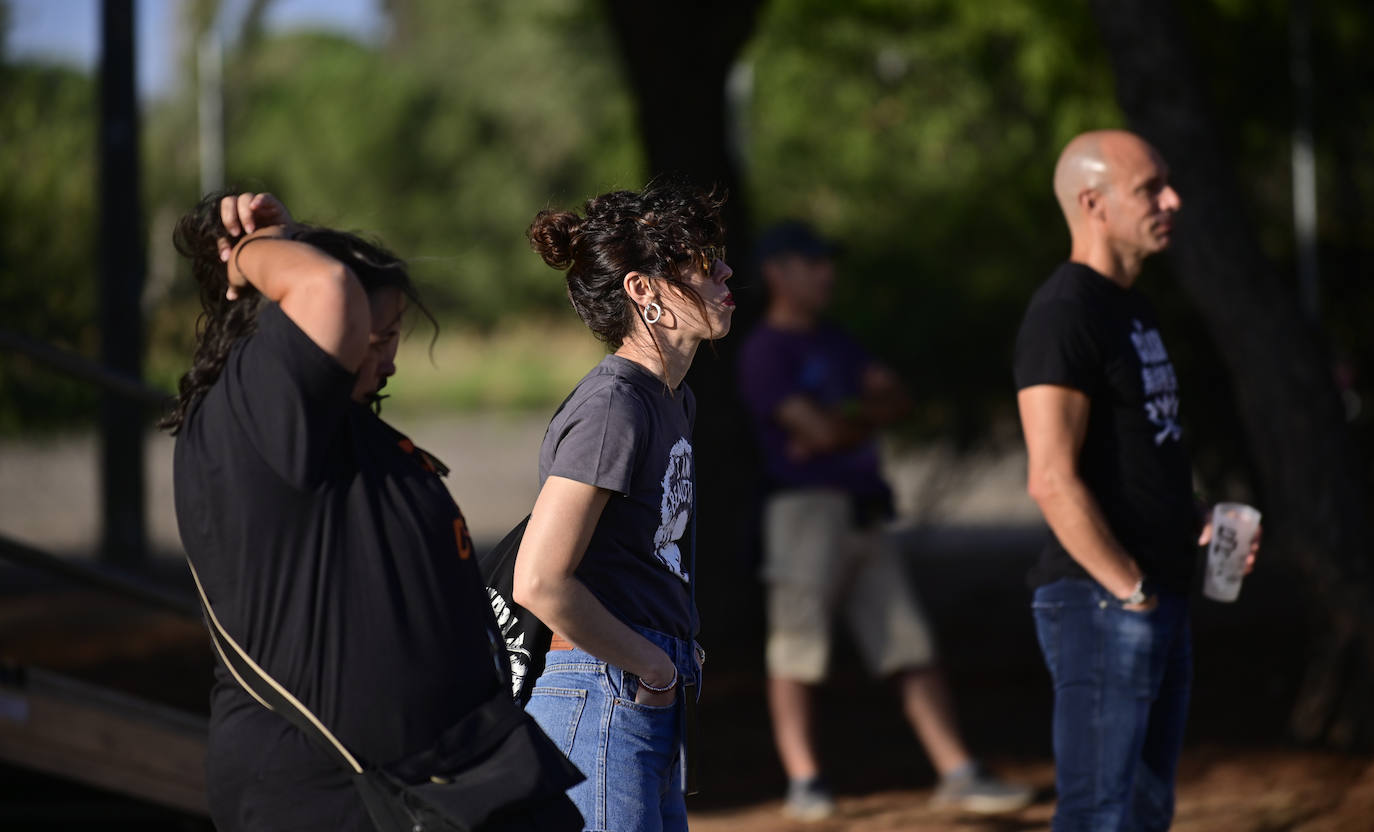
(325, 543)
(607, 558)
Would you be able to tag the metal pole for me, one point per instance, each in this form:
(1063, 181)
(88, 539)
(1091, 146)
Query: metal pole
(739, 99)
(123, 535)
(211, 110)
(1304, 161)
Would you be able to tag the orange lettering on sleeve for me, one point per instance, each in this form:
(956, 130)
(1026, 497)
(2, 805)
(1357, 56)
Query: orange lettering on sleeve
(460, 531)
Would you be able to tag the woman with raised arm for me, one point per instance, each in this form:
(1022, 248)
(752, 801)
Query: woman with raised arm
(607, 559)
(325, 544)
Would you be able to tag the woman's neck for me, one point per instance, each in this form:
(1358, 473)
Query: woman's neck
(669, 362)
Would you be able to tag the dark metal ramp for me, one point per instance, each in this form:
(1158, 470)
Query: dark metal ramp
(103, 679)
(83, 732)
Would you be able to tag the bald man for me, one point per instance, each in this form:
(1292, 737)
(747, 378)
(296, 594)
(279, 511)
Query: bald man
(1099, 409)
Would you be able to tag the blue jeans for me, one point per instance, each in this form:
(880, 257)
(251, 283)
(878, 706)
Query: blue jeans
(630, 753)
(1121, 685)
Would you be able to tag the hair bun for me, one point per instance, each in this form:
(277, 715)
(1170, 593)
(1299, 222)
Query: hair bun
(553, 234)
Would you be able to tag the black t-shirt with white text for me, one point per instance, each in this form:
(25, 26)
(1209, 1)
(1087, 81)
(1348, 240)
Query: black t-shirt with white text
(330, 550)
(1084, 332)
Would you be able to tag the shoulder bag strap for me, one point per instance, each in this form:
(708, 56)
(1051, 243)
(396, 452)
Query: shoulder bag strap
(266, 690)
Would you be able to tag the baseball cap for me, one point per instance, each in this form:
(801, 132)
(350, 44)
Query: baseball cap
(793, 237)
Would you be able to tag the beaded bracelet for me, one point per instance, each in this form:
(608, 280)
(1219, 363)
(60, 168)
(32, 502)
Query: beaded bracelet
(672, 683)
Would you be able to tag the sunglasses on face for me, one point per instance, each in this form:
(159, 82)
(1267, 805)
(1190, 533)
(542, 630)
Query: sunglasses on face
(709, 256)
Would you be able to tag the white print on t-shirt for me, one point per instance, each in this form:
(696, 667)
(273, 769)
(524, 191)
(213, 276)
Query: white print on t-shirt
(675, 507)
(515, 644)
(1161, 385)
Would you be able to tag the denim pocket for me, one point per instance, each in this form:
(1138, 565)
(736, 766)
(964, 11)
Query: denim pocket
(1133, 649)
(1148, 613)
(558, 710)
(623, 686)
(1047, 626)
(652, 724)
(621, 701)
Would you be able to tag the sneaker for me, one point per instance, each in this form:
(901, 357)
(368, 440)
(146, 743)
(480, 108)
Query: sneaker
(972, 789)
(808, 800)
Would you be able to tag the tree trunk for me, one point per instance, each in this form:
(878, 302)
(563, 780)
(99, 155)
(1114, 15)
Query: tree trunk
(677, 57)
(1287, 402)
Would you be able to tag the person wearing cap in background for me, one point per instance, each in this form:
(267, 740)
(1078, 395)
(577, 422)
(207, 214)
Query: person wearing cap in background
(817, 400)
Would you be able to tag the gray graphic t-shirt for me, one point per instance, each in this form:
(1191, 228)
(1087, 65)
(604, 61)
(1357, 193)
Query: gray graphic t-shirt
(623, 430)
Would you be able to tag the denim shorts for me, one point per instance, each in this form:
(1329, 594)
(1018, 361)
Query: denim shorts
(630, 753)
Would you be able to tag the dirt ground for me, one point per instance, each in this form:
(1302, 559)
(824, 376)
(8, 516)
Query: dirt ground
(1220, 789)
(1239, 773)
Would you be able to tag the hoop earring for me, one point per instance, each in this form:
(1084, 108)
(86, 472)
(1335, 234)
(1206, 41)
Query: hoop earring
(657, 312)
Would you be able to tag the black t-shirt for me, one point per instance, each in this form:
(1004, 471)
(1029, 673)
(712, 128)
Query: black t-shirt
(330, 550)
(1085, 332)
(623, 430)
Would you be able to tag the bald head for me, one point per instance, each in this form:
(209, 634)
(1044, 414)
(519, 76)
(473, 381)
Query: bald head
(1081, 166)
(1089, 161)
(1113, 188)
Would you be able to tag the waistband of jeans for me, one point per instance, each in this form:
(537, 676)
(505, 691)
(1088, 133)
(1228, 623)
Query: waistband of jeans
(1079, 588)
(682, 652)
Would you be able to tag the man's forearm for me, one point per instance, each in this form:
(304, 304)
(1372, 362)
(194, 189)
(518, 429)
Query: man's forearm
(1078, 522)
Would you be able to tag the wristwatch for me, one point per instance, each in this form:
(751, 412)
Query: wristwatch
(1137, 595)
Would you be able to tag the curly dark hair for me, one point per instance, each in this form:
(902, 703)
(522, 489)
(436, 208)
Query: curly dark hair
(659, 231)
(223, 322)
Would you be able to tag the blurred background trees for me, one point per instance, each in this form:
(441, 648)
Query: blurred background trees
(1287, 402)
(920, 133)
(442, 139)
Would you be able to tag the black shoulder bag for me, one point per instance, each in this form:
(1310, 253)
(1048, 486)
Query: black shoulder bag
(527, 638)
(494, 769)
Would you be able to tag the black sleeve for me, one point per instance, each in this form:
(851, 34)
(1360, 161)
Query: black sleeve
(288, 396)
(1056, 346)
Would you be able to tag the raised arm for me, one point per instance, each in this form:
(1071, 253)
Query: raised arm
(318, 293)
(1055, 422)
(561, 525)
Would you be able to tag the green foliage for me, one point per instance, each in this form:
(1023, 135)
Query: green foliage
(443, 141)
(48, 271)
(530, 366)
(443, 144)
(924, 140)
(922, 133)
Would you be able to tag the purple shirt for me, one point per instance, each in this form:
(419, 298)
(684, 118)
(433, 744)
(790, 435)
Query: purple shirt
(825, 365)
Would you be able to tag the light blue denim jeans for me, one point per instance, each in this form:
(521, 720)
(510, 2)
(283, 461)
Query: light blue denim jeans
(1121, 686)
(630, 753)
